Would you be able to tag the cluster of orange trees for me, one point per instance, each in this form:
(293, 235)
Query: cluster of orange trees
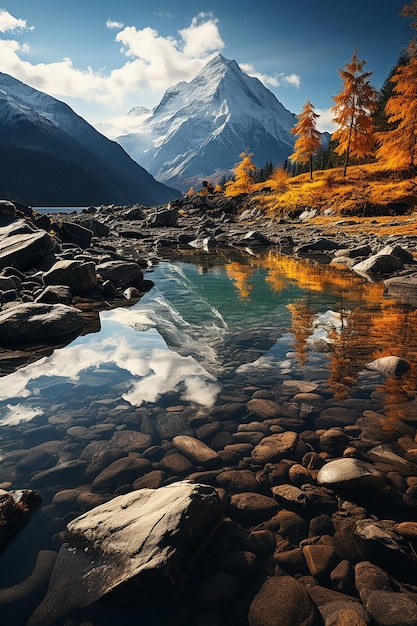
(357, 135)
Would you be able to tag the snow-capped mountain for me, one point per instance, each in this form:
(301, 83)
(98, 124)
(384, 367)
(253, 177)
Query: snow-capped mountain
(51, 156)
(201, 127)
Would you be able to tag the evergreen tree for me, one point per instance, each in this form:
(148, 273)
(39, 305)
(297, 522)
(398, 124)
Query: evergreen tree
(309, 138)
(380, 116)
(353, 111)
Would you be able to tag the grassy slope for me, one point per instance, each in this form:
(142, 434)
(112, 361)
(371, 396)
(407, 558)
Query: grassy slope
(367, 190)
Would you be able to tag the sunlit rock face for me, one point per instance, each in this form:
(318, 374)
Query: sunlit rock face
(136, 548)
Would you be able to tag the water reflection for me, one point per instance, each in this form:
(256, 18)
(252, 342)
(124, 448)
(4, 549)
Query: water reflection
(200, 323)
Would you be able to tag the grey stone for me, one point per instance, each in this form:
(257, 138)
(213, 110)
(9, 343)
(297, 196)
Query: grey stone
(79, 276)
(24, 247)
(32, 321)
(138, 548)
(75, 233)
(121, 273)
(379, 264)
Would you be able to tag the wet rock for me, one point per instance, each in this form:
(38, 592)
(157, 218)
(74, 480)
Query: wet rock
(344, 614)
(320, 245)
(388, 460)
(79, 276)
(342, 577)
(282, 600)
(131, 440)
(176, 464)
(351, 474)
(403, 287)
(124, 470)
(32, 321)
(388, 608)
(197, 451)
(380, 544)
(15, 510)
(251, 508)
(136, 548)
(288, 525)
(238, 481)
(275, 447)
(335, 416)
(61, 474)
(368, 578)
(320, 559)
(334, 441)
(389, 365)
(290, 497)
(121, 273)
(265, 409)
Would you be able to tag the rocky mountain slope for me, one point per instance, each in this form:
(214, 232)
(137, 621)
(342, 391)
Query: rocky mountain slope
(51, 156)
(200, 128)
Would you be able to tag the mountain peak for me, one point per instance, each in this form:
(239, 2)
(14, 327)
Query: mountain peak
(202, 126)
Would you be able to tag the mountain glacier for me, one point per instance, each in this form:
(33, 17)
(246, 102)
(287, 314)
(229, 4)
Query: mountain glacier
(51, 156)
(199, 129)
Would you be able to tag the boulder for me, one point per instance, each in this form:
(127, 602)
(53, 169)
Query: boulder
(134, 549)
(75, 233)
(353, 253)
(320, 245)
(166, 217)
(379, 264)
(23, 247)
(280, 601)
(79, 276)
(121, 273)
(55, 294)
(32, 321)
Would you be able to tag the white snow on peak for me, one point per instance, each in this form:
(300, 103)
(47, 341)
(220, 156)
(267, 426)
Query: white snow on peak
(204, 124)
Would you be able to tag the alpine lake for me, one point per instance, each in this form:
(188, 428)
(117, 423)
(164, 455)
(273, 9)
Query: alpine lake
(211, 333)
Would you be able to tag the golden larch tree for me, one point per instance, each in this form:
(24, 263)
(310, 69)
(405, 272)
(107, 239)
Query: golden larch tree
(244, 171)
(398, 146)
(309, 138)
(353, 110)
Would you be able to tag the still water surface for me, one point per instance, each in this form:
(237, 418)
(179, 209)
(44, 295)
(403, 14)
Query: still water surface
(208, 331)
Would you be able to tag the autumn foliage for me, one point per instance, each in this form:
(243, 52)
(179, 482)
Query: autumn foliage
(309, 138)
(353, 110)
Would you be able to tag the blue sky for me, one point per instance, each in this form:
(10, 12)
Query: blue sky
(102, 57)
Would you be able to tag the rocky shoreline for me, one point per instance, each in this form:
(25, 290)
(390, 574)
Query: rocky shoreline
(313, 501)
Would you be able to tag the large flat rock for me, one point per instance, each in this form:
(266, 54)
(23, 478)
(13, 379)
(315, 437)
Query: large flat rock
(32, 321)
(136, 548)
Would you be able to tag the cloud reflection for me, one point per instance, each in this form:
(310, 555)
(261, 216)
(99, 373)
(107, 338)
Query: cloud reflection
(151, 370)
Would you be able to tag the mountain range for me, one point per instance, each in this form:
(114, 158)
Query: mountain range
(51, 156)
(199, 128)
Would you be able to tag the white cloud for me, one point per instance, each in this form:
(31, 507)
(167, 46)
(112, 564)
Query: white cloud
(201, 36)
(274, 80)
(325, 121)
(9, 23)
(114, 24)
(153, 62)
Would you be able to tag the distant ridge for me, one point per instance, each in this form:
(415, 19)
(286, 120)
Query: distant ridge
(51, 156)
(201, 127)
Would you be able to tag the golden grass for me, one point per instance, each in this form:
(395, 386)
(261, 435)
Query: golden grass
(366, 189)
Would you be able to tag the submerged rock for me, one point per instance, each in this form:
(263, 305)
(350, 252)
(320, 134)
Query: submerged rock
(15, 509)
(136, 548)
(350, 473)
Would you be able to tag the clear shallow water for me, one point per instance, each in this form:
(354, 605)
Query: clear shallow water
(206, 333)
